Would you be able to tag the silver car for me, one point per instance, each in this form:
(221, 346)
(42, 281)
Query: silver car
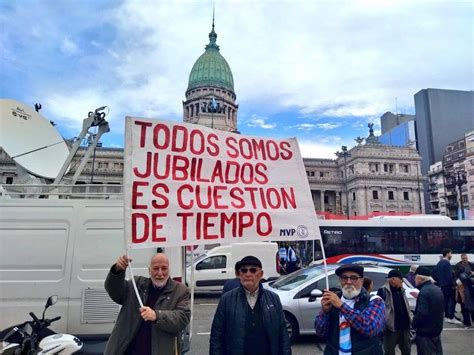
(295, 289)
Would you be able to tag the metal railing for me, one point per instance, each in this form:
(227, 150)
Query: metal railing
(83, 191)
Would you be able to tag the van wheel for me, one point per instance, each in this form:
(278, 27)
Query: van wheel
(292, 326)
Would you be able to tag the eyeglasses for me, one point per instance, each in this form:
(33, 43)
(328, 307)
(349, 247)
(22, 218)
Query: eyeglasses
(252, 270)
(353, 278)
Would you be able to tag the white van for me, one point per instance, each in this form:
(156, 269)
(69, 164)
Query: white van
(65, 247)
(214, 268)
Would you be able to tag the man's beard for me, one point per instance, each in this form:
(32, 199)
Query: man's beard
(350, 292)
(159, 283)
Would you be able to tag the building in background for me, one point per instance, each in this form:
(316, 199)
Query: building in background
(389, 121)
(368, 179)
(436, 189)
(441, 117)
(210, 96)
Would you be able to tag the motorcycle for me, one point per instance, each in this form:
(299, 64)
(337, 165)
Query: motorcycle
(35, 338)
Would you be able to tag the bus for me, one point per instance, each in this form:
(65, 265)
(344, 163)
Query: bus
(394, 241)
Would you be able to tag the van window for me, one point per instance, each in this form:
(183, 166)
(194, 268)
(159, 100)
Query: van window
(213, 262)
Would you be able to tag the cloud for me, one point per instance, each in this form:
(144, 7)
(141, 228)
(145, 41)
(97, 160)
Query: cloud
(68, 47)
(310, 149)
(334, 61)
(260, 122)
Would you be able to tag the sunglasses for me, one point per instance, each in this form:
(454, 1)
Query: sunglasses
(252, 270)
(352, 278)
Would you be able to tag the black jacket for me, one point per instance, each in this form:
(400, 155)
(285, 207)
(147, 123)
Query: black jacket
(228, 326)
(429, 311)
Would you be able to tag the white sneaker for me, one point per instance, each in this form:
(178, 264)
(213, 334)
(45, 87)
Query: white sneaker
(454, 321)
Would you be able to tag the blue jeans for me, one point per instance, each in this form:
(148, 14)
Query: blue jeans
(449, 301)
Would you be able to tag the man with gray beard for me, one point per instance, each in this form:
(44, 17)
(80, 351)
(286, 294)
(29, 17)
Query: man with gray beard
(156, 327)
(351, 323)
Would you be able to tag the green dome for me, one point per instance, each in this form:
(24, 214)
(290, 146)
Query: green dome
(211, 69)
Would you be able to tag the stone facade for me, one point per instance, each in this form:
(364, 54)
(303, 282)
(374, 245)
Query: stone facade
(379, 179)
(198, 108)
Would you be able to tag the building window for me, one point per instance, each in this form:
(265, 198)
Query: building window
(310, 173)
(9, 180)
(353, 196)
(374, 167)
(391, 195)
(351, 168)
(405, 168)
(406, 196)
(321, 174)
(388, 168)
(375, 195)
(326, 199)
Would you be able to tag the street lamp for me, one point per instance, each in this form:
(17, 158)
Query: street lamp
(344, 154)
(459, 179)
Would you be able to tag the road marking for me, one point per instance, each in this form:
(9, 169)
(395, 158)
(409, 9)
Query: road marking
(457, 329)
(208, 333)
(208, 304)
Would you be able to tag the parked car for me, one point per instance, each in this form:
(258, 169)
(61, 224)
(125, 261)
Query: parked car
(295, 289)
(213, 269)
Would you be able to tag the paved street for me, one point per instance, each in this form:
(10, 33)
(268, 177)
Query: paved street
(456, 340)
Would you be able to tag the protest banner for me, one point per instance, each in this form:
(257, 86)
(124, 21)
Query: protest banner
(189, 185)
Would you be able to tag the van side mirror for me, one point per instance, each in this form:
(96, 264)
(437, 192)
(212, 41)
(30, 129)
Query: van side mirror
(315, 294)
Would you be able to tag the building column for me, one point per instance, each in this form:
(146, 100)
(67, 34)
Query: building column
(321, 194)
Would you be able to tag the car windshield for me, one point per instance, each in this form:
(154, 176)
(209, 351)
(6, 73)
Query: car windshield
(195, 261)
(297, 278)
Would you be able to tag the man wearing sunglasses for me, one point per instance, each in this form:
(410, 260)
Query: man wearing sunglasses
(249, 320)
(353, 321)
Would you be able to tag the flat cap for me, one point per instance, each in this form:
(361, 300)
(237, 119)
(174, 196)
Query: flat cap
(250, 260)
(395, 273)
(422, 270)
(350, 267)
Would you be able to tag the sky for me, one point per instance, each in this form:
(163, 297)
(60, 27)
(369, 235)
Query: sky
(317, 70)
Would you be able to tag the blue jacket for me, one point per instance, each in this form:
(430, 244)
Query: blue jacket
(429, 312)
(443, 273)
(228, 325)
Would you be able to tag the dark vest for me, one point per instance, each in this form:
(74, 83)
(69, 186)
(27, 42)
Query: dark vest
(361, 344)
(256, 340)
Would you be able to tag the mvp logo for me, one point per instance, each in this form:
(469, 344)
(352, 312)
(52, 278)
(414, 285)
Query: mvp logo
(287, 232)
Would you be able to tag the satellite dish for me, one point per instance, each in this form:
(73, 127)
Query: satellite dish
(31, 140)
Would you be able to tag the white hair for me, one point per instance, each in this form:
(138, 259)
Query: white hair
(424, 278)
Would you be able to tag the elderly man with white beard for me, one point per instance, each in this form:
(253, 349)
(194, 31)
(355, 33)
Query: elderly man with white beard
(156, 327)
(353, 322)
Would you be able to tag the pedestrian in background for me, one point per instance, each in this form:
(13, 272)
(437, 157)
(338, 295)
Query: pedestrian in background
(411, 274)
(351, 324)
(249, 319)
(428, 318)
(292, 260)
(444, 275)
(232, 283)
(466, 264)
(398, 315)
(368, 284)
(465, 296)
